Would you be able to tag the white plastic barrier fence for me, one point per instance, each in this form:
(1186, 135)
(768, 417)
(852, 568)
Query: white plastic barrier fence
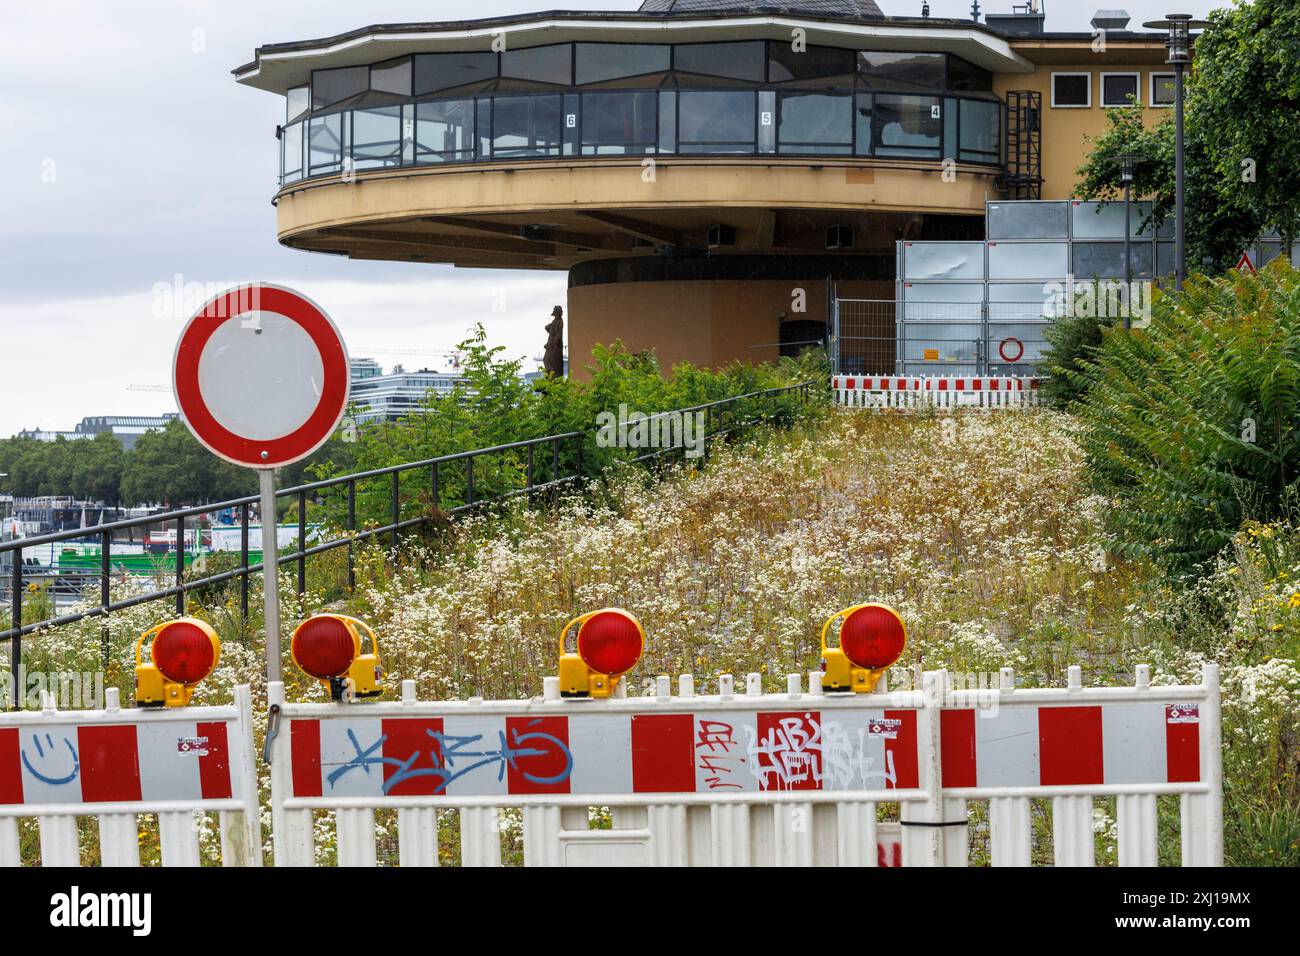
(894, 391)
(753, 779)
(114, 764)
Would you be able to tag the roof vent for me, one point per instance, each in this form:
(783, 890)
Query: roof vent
(1110, 19)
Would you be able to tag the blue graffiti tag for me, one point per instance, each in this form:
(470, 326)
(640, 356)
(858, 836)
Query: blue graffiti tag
(454, 749)
(40, 751)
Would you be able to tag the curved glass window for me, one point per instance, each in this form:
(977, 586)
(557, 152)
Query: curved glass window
(907, 126)
(291, 152)
(967, 77)
(619, 122)
(449, 71)
(392, 77)
(332, 86)
(716, 121)
(979, 139)
(444, 131)
(745, 60)
(886, 70)
(297, 102)
(325, 144)
(377, 137)
(788, 64)
(816, 123)
(540, 64)
(524, 126)
(601, 62)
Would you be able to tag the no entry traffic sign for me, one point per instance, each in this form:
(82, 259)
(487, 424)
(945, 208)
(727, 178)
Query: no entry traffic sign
(261, 376)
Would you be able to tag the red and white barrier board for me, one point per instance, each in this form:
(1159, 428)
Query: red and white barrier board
(897, 391)
(116, 763)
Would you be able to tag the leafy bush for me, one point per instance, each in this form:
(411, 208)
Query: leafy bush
(1071, 340)
(1192, 426)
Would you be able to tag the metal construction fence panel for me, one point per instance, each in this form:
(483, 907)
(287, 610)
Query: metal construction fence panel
(114, 764)
(730, 779)
(881, 392)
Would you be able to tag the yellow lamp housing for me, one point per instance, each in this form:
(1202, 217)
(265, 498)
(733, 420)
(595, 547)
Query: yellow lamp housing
(328, 648)
(871, 640)
(181, 654)
(609, 642)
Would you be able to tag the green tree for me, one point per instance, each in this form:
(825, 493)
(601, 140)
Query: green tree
(170, 467)
(1192, 426)
(1241, 150)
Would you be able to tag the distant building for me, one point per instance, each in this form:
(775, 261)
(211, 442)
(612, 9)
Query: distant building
(364, 368)
(127, 428)
(386, 398)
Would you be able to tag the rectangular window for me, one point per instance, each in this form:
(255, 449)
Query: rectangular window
(862, 122)
(602, 62)
(617, 123)
(717, 122)
(297, 102)
(325, 144)
(527, 126)
(331, 86)
(540, 64)
(392, 77)
(444, 132)
(735, 61)
(292, 146)
(820, 123)
(821, 63)
(1119, 89)
(981, 129)
(1071, 90)
(907, 126)
(903, 72)
(377, 137)
(448, 71)
(1162, 90)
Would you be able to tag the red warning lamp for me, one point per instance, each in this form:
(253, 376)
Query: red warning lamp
(181, 654)
(610, 642)
(328, 648)
(872, 639)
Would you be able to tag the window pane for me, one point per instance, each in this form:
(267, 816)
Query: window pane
(786, 64)
(1162, 89)
(981, 127)
(392, 77)
(297, 102)
(862, 119)
(377, 137)
(1071, 90)
(444, 132)
(737, 61)
(816, 123)
(330, 86)
(542, 64)
(292, 146)
(1117, 90)
(668, 122)
(965, 76)
(325, 144)
(527, 125)
(908, 125)
(1028, 260)
(902, 71)
(1105, 260)
(598, 62)
(615, 123)
(1028, 220)
(716, 122)
(445, 71)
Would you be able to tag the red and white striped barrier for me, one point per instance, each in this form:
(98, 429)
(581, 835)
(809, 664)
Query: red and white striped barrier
(114, 764)
(915, 391)
(754, 778)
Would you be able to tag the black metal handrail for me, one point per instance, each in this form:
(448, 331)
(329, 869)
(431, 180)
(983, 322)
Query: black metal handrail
(554, 478)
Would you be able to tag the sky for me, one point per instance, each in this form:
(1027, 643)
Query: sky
(135, 172)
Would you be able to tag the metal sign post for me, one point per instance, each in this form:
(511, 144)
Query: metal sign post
(261, 378)
(270, 572)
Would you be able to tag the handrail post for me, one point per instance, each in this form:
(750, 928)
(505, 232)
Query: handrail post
(243, 561)
(578, 470)
(469, 480)
(352, 530)
(529, 473)
(180, 565)
(16, 642)
(302, 542)
(105, 543)
(395, 491)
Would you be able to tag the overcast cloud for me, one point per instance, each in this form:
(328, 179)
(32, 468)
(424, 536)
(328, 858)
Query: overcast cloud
(129, 156)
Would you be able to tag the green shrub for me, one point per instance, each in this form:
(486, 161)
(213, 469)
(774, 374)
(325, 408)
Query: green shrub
(1192, 426)
(1071, 340)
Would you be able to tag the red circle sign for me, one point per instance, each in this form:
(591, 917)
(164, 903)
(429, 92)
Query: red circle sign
(1002, 349)
(261, 376)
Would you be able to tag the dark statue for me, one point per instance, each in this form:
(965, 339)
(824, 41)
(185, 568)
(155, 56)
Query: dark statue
(553, 357)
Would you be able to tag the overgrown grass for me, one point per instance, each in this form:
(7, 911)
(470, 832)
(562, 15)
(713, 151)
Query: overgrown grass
(980, 529)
